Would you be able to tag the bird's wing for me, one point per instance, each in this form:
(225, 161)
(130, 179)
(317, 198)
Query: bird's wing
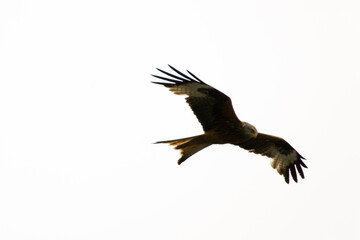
(284, 156)
(210, 106)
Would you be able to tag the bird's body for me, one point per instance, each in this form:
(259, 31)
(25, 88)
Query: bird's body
(215, 112)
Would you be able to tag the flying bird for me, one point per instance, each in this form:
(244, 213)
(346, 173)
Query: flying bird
(215, 112)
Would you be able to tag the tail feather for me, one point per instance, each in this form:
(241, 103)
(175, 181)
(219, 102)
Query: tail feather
(188, 146)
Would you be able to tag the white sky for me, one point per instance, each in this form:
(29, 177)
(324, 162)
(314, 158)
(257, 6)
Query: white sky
(78, 115)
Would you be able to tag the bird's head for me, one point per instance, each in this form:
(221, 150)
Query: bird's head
(250, 130)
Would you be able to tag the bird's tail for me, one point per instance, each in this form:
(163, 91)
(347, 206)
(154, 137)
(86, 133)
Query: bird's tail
(188, 146)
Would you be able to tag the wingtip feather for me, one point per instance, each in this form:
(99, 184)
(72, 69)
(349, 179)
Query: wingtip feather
(293, 173)
(193, 75)
(286, 176)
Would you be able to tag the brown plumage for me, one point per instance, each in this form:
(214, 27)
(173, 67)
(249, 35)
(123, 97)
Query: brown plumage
(215, 112)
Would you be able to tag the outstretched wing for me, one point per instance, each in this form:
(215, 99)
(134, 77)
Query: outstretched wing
(284, 156)
(210, 106)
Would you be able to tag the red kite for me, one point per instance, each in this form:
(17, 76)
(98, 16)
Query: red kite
(215, 112)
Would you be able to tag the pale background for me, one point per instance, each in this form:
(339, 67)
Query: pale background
(78, 116)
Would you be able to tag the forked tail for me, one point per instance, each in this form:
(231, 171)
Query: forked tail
(188, 146)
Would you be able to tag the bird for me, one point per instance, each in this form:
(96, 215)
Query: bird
(215, 112)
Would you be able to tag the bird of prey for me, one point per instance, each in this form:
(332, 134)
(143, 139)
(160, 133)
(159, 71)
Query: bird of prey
(215, 112)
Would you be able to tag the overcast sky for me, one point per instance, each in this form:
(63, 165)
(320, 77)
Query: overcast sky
(78, 116)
